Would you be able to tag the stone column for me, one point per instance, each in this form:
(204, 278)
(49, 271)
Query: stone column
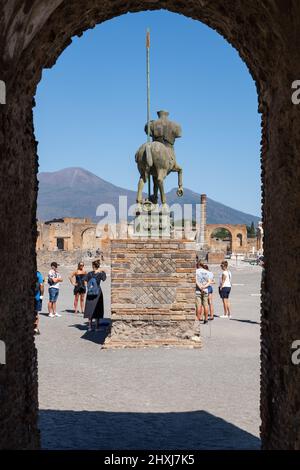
(202, 237)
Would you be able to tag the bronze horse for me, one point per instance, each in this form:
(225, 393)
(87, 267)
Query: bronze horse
(157, 160)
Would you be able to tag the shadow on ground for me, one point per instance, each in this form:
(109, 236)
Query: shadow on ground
(251, 322)
(116, 431)
(97, 337)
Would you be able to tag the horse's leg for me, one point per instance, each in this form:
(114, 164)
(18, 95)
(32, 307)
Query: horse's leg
(155, 190)
(141, 185)
(160, 181)
(178, 169)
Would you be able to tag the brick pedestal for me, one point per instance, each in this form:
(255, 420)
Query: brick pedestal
(152, 293)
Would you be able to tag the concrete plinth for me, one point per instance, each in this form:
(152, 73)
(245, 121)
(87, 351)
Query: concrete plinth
(153, 293)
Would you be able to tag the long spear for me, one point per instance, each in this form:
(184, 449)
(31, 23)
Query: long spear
(148, 98)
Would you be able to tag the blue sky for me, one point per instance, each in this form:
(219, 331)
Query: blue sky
(91, 106)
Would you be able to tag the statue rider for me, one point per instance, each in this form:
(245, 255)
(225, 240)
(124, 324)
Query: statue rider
(165, 131)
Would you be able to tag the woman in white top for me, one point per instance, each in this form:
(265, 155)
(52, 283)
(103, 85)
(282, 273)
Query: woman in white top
(225, 288)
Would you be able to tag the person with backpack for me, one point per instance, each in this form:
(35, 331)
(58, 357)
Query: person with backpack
(79, 286)
(94, 308)
(38, 299)
(210, 291)
(202, 284)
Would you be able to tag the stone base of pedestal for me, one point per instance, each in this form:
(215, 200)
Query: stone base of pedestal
(152, 293)
(135, 334)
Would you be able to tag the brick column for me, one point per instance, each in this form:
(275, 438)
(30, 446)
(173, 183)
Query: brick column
(152, 292)
(202, 237)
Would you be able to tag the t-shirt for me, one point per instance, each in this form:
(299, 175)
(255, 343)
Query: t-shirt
(51, 275)
(202, 278)
(40, 280)
(227, 275)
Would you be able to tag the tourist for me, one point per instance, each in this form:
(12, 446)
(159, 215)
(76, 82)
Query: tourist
(77, 278)
(94, 308)
(38, 299)
(210, 292)
(225, 288)
(202, 283)
(54, 280)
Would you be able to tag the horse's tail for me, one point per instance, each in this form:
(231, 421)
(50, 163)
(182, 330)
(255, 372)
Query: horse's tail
(149, 158)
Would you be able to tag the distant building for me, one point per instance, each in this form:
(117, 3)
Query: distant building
(69, 234)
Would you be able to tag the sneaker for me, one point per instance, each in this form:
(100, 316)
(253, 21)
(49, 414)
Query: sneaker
(205, 321)
(223, 316)
(196, 339)
(51, 315)
(37, 331)
(57, 314)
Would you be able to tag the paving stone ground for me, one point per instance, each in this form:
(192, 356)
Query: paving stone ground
(152, 398)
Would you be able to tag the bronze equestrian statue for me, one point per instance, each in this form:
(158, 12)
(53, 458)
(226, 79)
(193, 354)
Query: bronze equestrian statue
(157, 158)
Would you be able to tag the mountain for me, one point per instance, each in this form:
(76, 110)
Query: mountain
(75, 192)
(216, 213)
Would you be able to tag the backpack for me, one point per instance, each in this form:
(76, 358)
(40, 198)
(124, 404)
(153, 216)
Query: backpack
(37, 287)
(92, 287)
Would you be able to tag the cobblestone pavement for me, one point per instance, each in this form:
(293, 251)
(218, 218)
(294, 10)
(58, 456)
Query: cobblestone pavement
(157, 398)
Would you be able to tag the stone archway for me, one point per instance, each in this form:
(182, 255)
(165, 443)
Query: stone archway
(238, 235)
(32, 35)
(214, 243)
(240, 239)
(88, 239)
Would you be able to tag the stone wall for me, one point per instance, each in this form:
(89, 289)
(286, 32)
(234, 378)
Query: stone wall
(215, 258)
(266, 35)
(154, 278)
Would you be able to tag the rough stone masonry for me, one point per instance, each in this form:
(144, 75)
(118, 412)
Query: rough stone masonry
(152, 292)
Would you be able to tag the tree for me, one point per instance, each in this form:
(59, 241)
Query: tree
(221, 233)
(251, 231)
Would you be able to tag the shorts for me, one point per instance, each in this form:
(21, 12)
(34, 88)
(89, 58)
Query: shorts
(224, 293)
(79, 290)
(53, 294)
(210, 290)
(202, 300)
(38, 305)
